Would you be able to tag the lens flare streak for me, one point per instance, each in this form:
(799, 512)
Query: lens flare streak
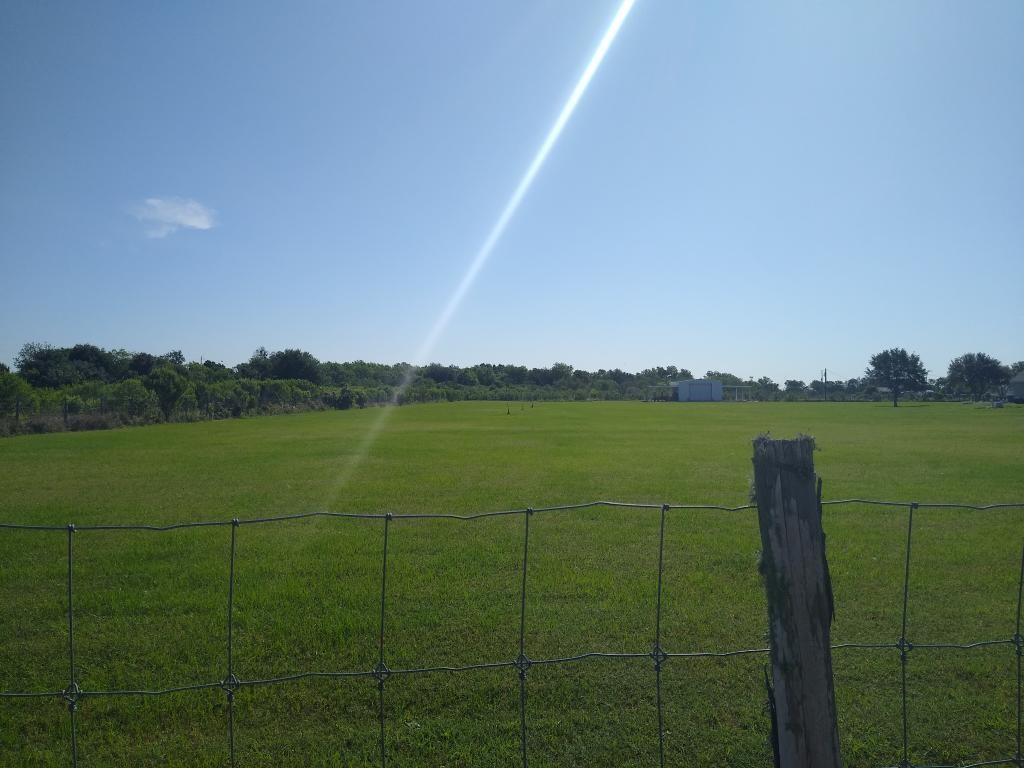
(426, 348)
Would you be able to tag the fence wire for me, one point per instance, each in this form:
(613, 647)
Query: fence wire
(72, 694)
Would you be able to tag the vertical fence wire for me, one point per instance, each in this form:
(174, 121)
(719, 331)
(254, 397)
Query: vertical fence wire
(381, 671)
(656, 652)
(522, 661)
(904, 644)
(1018, 643)
(231, 682)
(71, 694)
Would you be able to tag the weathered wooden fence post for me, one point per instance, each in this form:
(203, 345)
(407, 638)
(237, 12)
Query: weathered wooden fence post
(799, 593)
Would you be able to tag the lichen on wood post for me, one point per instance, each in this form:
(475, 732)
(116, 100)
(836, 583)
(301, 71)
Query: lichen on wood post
(799, 595)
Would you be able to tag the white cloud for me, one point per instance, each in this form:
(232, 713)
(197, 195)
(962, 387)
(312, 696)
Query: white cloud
(165, 215)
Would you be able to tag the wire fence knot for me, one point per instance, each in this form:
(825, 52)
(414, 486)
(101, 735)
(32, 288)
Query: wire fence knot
(522, 663)
(381, 672)
(1018, 643)
(230, 684)
(71, 695)
(905, 646)
(659, 656)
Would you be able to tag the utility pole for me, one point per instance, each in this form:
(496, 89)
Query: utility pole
(825, 375)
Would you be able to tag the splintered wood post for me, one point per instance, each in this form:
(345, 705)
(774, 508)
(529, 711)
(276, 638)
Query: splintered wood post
(799, 593)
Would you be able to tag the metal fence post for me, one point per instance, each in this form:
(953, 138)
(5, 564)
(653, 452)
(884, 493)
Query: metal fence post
(799, 594)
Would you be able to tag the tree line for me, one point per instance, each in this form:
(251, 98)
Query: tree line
(87, 387)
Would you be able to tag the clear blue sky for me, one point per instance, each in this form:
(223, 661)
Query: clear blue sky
(763, 188)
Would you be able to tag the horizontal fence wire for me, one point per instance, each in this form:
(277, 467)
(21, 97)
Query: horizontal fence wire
(74, 695)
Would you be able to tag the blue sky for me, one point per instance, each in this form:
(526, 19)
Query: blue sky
(767, 189)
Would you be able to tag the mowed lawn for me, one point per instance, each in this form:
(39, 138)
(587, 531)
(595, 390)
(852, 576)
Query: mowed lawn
(151, 608)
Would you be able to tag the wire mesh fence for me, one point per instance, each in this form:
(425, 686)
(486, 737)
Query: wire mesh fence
(74, 696)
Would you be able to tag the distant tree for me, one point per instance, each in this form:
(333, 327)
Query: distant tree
(168, 385)
(133, 399)
(899, 370)
(561, 373)
(216, 371)
(142, 364)
(174, 357)
(42, 365)
(1017, 367)
(795, 386)
(514, 374)
(95, 364)
(336, 374)
(726, 378)
(976, 372)
(540, 377)
(4, 368)
(258, 366)
(766, 389)
(13, 390)
(294, 364)
(439, 374)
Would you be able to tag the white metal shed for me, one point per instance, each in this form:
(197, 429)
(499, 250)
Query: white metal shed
(697, 391)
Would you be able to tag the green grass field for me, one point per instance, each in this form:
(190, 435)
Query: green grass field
(150, 608)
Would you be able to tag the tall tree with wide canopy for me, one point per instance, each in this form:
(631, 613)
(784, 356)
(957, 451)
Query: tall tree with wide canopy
(899, 370)
(976, 372)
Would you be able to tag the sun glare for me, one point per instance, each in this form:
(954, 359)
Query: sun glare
(426, 348)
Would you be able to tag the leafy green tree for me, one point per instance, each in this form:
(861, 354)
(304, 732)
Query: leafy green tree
(899, 370)
(729, 379)
(142, 364)
(93, 363)
(561, 373)
(15, 393)
(132, 399)
(766, 389)
(295, 364)
(169, 386)
(1017, 367)
(42, 365)
(976, 372)
(337, 374)
(258, 366)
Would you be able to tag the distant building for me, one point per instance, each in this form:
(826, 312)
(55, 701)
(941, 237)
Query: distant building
(1015, 389)
(697, 391)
